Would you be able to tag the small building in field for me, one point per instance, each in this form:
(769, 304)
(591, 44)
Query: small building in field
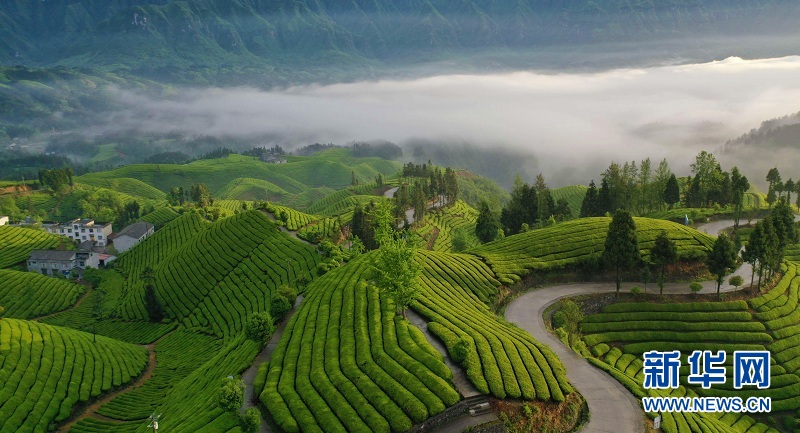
(82, 230)
(55, 262)
(132, 235)
(273, 159)
(52, 262)
(3, 220)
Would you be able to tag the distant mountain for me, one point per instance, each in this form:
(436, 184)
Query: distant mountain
(206, 40)
(782, 132)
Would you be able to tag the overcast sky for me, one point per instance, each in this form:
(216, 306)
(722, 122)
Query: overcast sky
(574, 123)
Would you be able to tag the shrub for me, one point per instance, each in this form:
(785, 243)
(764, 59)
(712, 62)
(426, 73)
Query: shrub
(288, 292)
(461, 350)
(559, 319)
(695, 287)
(636, 290)
(250, 421)
(259, 327)
(736, 281)
(231, 394)
(278, 307)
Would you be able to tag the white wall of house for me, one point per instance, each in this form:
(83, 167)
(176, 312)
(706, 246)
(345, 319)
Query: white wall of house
(125, 242)
(3, 220)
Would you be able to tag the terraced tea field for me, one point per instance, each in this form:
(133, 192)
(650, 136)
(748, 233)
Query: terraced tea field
(571, 242)
(622, 332)
(16, 244)
(46, 370)
(26, 295)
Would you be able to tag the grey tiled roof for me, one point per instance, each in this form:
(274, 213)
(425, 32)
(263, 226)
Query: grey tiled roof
(135, 230)
(52, 255)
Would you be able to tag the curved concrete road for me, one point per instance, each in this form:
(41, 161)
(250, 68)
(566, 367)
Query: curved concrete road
(612, 408)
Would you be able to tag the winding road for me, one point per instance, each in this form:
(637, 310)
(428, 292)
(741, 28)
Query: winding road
(611, 407)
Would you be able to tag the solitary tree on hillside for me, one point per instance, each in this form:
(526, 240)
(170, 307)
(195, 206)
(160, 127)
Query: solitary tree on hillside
(394, 268)
(621, 247)
(721, 259)
(672, 193)
(487, 226)
(663, 253)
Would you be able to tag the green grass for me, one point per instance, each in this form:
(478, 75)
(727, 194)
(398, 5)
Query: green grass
(16, 244)
(57, 368)
(26, 295)
(571, 242)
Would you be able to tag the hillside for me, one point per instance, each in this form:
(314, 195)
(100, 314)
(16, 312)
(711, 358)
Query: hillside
(166, 38)
(621, 332)
(57, 368)
(16, 244)
(572, 242)
(300, 182)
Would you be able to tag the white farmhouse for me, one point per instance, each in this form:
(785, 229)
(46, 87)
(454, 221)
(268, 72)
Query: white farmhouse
(3, 220)
(82, 230)
(132, 235)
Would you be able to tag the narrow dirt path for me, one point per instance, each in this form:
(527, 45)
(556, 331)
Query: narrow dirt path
(251, 400)
(91, 409)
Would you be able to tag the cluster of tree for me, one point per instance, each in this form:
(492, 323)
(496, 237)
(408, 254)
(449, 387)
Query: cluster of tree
(639, 189)
(416, 170)
(439, 187)
(532, 206)
(261, 151)
(102, 205)
(710, 185)
(198, 193)
(363, 225)
(766, 247)
(14, 166)
(220, 152)
(176, 196)
(56, 179)
(314, 148)
(781, 190)
(385, 150)
(128, 214)
(642, 190)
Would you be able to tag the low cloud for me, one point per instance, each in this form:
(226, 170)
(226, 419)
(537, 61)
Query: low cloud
(574, 124)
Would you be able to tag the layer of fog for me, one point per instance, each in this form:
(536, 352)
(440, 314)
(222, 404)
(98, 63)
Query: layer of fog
(573, 123)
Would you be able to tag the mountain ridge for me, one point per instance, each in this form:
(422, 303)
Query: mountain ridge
(184, 40)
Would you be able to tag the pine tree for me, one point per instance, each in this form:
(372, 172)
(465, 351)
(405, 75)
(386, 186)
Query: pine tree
(721, 259)
(590, 204)
(755, 251)
(739, 185)
(663, 253)
(622, 246)
(487, 226)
